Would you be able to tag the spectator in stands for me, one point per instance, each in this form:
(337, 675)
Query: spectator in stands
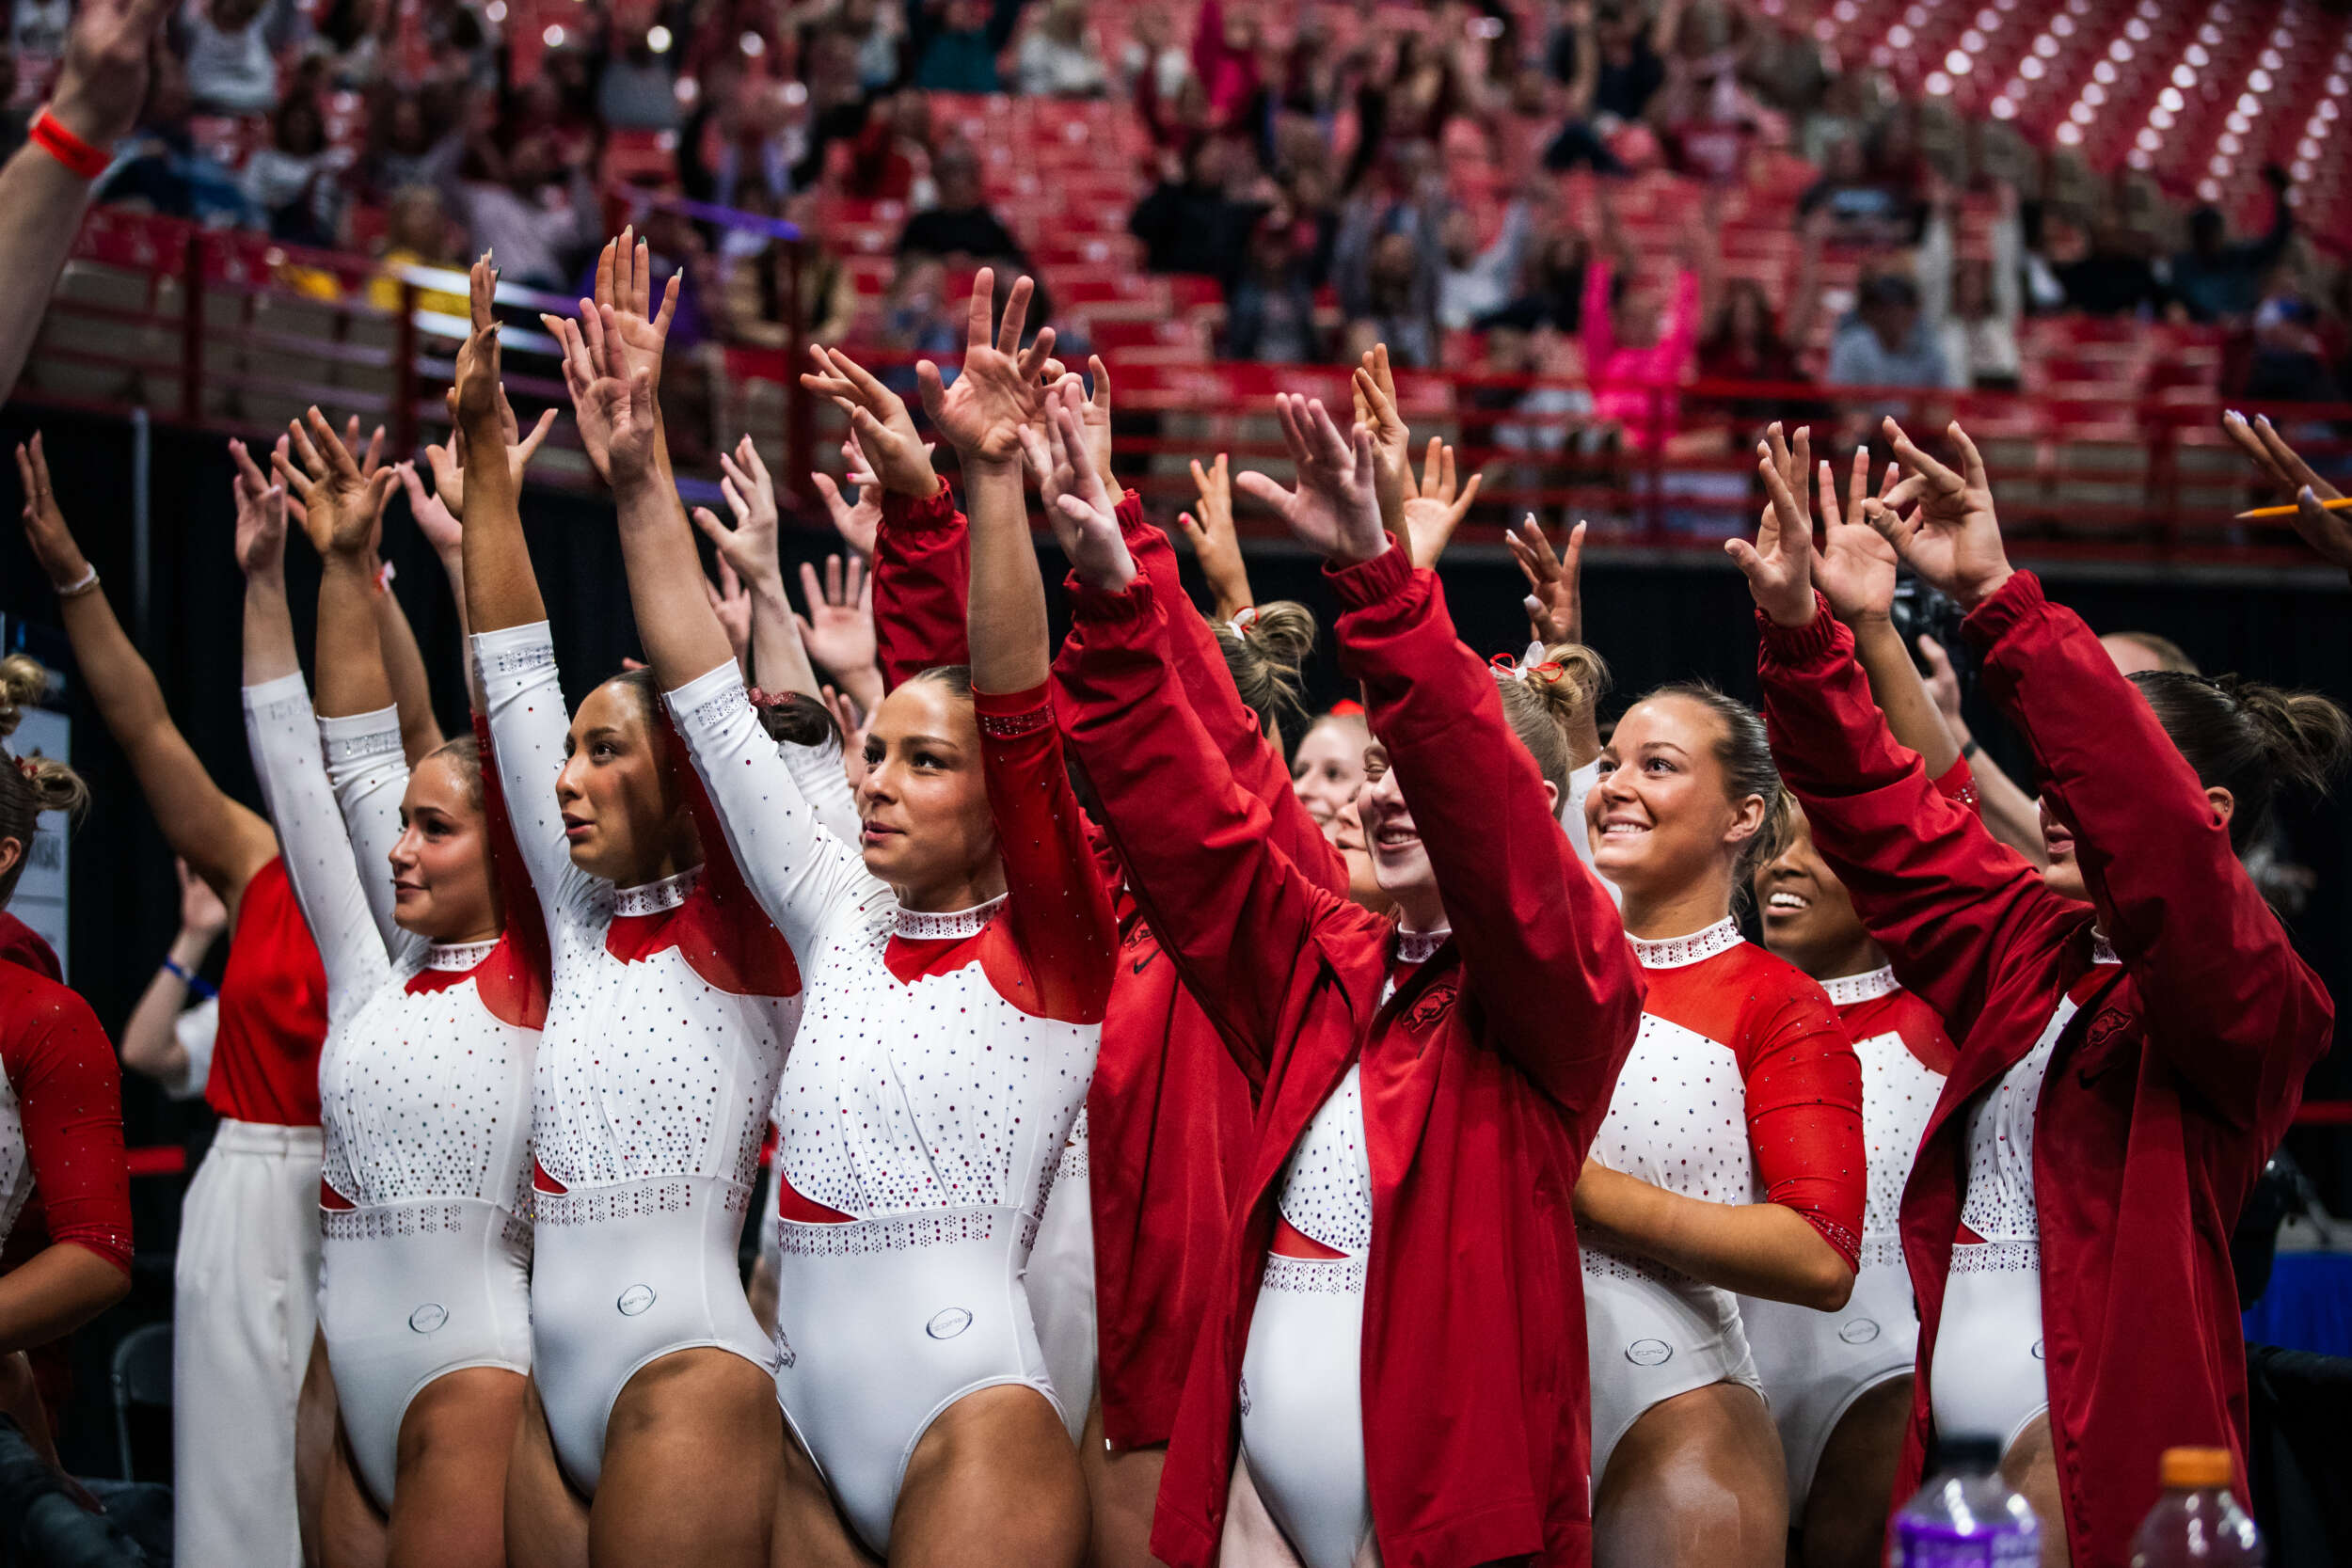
(37, 27)
(1190, 222)
(1865, 206)
(1885, 341)
(1971, 306)
(1270, 306)
(230, 47)
(1059, 58)
(890, 158)
(1471, 282)
(961, 224)
(1225, 63)
(533, 219)
(955, 43)
(637, 90)
(2289, 361)
(2218, 281)
(1638, 347)
(1611, 56)
(295, 182)
(1709, 123)
(758, 284)
(1387, 257)
(403, 149)
(1552, 292)
(418, 233)
(355, 39)
(159, 168)
(1544, 419)
(2103, 270)
(876, 26)
(1747, 340)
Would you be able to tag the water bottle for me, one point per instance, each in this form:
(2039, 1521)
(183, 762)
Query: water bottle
(1966, 1516)
(2197, 1520)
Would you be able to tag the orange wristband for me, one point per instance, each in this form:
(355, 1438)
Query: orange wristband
(80, 158)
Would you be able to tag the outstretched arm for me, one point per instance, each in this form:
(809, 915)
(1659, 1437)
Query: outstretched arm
(996, 393)
(501, 590)
(223, 841)
(45, 185)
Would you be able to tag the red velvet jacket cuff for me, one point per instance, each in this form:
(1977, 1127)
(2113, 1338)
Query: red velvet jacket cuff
(937, 510)
(2020, 597)
(1007, 714)
(1810, 644)
(1096, 604)
(1130, 513)
(1383, 577)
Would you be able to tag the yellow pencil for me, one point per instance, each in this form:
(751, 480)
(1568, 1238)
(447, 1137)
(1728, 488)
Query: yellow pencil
(2264, 513)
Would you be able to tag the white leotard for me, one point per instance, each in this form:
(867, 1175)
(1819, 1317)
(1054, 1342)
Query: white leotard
(923, 1112)
(671, 1011)
(1988, 1376)
(423, 1088)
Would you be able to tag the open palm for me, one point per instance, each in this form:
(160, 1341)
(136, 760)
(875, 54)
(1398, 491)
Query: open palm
(1856, 568)
(998, 391)
(1949, 534)
(1336, 509)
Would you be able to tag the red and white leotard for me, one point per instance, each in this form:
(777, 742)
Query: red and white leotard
(1742, 1088)
(671, 1008)
(61, 1118)
(941, 1061)
(1814, 1365)
(424, 1082)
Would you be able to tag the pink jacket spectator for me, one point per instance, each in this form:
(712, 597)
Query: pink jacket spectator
(1635, 386)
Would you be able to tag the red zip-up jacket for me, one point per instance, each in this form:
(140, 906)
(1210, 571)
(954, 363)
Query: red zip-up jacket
(1169, 1113)
(1483, 1076)
(2165, 1095)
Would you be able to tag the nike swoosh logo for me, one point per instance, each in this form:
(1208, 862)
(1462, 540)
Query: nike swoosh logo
(1139, 965)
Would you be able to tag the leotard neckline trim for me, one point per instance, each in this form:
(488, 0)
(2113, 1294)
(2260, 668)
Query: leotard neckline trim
(653, 897)
(1416, 947)
(458, 956)
(922, 925)
(1847, 990)
(1677, 952)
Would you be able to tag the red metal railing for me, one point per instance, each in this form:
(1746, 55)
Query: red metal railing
(232, 331)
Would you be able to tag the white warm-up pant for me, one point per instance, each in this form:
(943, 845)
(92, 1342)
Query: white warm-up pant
(245, 1307)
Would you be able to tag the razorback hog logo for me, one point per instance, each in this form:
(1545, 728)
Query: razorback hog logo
(2109, 1023)
(1429, 1006)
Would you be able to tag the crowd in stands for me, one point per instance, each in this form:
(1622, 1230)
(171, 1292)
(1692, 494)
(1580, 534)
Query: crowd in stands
(1309, 181)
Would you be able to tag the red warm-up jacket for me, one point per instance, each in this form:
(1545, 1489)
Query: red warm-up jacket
(1483, 1076)
(1169, 1113)
(2166, 1094)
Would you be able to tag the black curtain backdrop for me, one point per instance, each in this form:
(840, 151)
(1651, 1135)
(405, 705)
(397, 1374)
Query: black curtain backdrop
(1654, 622)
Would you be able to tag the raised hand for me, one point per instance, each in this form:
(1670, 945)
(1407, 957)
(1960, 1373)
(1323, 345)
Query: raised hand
(858, 521)
(1779, 565)
(1555, 599)
(733, 606)
(262, 508)
(102, 80)
(340, 503)
(998, 391)
(622, 401)
(1943, 684)
(1336, 509)
(2328, 532)
(637, 331)
(1949, 535)
(879, 424)
(1373, 386)
(52, 541)
(1856, 569)
(1095, 413)
(750, 546)
(434, 520)
(838, 630)
(202, 913)
(1078, 501)
(1431, 509)
(1215, 544)
(475, 381)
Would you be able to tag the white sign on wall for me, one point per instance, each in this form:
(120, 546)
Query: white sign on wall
(39, 900)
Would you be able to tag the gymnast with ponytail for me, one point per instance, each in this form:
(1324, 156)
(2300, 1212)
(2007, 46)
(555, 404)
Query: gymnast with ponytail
(2135, 1025)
